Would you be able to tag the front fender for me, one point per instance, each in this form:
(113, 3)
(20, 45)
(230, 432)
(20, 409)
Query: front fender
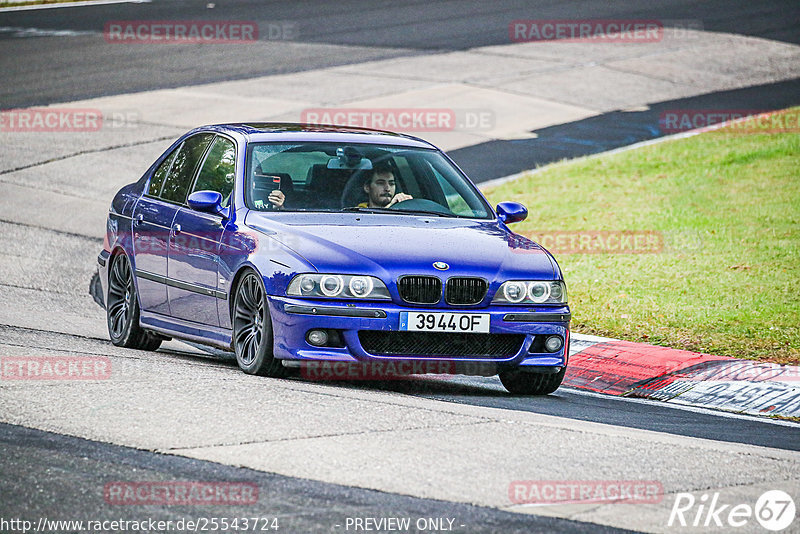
(276, 263)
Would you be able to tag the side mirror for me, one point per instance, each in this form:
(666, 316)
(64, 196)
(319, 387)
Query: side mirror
(511, 212)
(206, 201)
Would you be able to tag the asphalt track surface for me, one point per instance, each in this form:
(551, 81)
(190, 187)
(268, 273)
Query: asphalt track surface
(358, 30)
(62, 477)
(496, 159)
(52, 475)
(632, 413)
(585, 406)
(72, 67)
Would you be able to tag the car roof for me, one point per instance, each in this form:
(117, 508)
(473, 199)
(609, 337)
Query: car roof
(285, 131)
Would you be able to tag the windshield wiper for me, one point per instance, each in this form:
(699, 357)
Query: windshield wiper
(370, 210)
(426, 212)
(398, 212)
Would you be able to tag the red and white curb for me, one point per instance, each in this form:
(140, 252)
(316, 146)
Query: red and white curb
(623, 368)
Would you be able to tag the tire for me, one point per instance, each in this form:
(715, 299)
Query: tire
(520, 382)
(252, 329)
(122, 310)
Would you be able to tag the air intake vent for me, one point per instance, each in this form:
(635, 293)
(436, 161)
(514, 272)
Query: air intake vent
(466, 291)
(439, 345)
(420, 289)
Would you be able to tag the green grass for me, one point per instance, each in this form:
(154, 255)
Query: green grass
(727, 280)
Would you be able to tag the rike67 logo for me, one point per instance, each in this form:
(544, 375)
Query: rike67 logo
(774, 510)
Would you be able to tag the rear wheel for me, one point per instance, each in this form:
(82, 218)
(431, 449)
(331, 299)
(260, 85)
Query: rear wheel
(524, 383)
(252, 329)
(122, 309)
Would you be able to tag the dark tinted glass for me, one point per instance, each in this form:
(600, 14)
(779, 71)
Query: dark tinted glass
(180, 175)
(218, 170)
(161, 172)
(328, 176)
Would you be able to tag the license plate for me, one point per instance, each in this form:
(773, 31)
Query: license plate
(444, 322)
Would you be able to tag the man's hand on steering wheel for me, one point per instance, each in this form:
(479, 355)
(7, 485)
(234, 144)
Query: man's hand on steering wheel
(399, 197)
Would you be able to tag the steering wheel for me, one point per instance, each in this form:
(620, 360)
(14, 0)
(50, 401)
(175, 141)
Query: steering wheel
(422, 204)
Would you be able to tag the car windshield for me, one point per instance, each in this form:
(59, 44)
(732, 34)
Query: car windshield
(358, 177)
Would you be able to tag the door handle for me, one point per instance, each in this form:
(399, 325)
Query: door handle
(176, 229)
(138, 220)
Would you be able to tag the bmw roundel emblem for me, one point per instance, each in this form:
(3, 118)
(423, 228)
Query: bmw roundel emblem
(442, 266)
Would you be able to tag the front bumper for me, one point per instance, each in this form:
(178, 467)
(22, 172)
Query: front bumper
(293, 318)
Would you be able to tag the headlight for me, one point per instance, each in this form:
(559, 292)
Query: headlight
(361, 286)
(338, 286)
(514, 291)
(531, 292)
(539, 292)
(331, 285)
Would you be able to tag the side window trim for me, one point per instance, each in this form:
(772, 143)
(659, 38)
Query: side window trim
(205, 156)
(195, 172)
(171, 158)
(199, 166)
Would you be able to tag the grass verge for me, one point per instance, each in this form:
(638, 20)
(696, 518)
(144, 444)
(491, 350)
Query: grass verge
(717, 266)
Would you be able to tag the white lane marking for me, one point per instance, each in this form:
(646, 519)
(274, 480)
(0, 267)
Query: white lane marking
(73, 4)
(695, 409)
(39, 32)
(589, 338)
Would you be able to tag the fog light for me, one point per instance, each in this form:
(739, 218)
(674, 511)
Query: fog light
(318, 338)
(553, 343)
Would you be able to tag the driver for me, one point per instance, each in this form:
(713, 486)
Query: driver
(379, 185)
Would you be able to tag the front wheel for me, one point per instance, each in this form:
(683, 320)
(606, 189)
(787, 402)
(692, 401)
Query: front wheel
(252, 329)
(122, 309)
(520, 382)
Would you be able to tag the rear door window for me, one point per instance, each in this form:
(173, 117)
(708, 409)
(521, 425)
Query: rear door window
(218, 169)
(158, 177)
(179, 179)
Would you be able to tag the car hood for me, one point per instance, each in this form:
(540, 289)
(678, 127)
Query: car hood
(389, 246)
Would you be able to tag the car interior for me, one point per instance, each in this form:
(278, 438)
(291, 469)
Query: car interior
(328, 177)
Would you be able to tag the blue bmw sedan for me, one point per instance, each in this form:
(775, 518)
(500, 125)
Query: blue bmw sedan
(295, 245)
